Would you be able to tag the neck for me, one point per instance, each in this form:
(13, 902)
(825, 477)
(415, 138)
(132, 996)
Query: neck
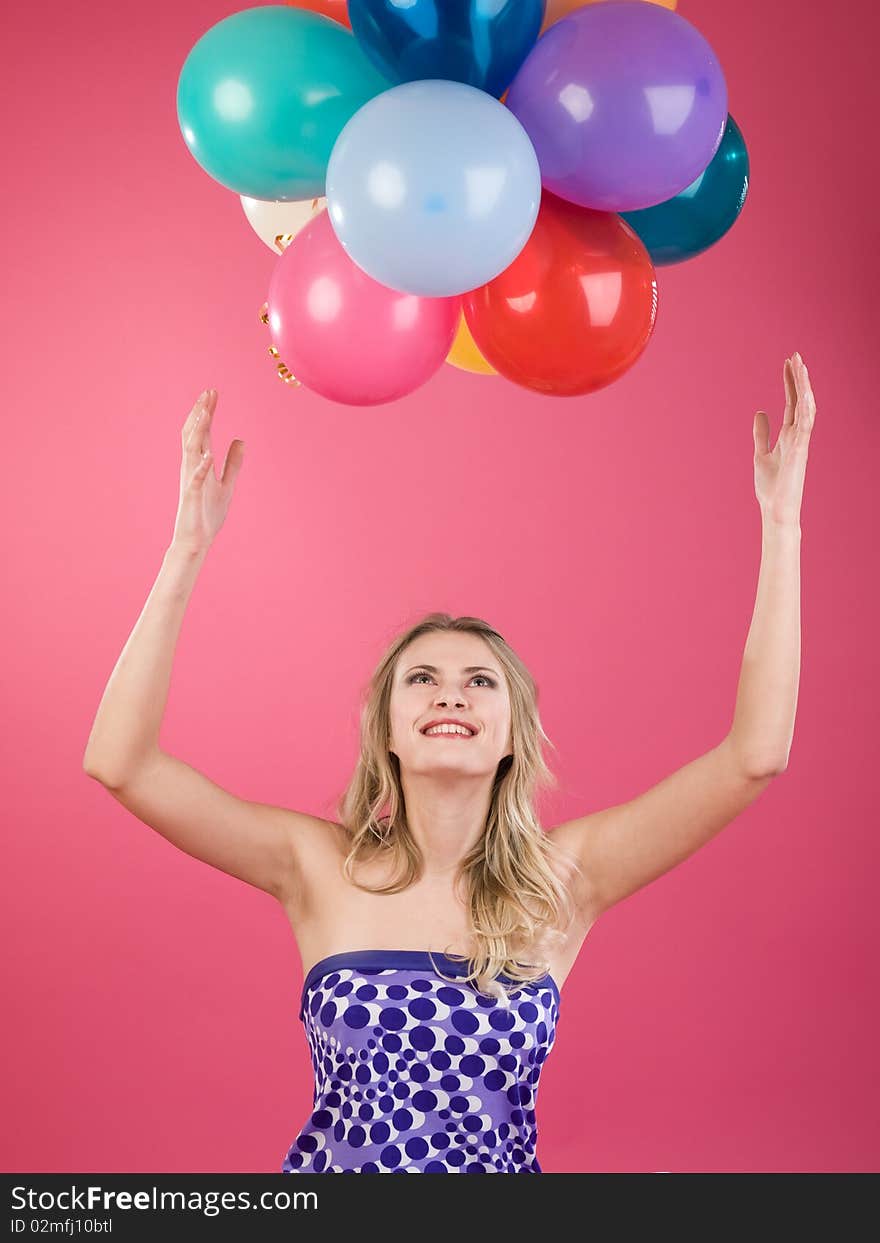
(446, 817)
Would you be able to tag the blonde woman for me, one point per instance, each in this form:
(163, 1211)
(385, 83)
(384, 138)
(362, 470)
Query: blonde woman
(436, 920)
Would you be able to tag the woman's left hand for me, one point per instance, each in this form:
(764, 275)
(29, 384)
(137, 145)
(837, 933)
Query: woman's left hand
(779, 475)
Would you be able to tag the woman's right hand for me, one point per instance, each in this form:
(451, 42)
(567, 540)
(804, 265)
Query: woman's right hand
(203, 500)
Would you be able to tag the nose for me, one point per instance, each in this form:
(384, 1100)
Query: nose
(443, 698)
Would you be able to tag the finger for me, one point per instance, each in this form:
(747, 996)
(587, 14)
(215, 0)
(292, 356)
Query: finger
(232, 465)
(199, 437)
(761, 432)
(790, 392)
(806, 404)
(193, 416)
(806, 391)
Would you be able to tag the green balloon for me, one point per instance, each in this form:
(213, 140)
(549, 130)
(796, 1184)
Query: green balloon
(264, 94)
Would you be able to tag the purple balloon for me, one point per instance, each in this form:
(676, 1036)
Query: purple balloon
(625, 103)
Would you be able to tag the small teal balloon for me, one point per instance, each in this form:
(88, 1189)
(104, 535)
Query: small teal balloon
(264, 94)
(433, 188)
(702, 213)
(479, 42)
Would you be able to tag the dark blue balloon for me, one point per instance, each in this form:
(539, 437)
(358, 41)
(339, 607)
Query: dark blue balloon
(468, 41)
(696, 217)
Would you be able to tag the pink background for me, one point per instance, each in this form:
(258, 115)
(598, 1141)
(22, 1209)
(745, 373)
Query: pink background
(723, 1018)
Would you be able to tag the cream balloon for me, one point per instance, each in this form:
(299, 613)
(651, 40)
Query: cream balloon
(278, 223)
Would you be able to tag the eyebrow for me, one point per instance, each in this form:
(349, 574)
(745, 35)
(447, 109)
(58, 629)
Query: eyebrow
(467, 669)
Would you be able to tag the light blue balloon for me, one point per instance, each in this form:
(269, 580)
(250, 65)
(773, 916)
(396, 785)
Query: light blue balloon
(433, 187)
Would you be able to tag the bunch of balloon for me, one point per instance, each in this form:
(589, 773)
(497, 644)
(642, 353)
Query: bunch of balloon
(488, 185)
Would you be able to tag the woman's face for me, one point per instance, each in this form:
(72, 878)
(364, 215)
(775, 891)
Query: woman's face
(455, 675)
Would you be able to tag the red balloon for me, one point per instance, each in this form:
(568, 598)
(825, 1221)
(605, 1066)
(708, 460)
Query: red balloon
(335, 9)
(576, 307)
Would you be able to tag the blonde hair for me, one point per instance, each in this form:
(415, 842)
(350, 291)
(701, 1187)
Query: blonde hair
(515, 899)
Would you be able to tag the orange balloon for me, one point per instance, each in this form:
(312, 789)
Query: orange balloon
(561, 8)
(335, 9)
(464, 353)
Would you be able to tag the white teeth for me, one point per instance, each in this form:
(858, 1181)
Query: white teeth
(447, 729)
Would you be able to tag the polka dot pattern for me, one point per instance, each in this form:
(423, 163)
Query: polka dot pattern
(414, 1074)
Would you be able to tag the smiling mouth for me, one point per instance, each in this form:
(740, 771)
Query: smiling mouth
(451, 734)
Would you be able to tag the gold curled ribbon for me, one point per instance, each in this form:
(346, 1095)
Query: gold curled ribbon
(284, 372)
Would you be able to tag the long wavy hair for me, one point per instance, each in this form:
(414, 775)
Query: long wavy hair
(517, 903)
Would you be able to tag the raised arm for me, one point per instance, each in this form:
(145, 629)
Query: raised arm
(126, 729)
(255, 842)
(626, 847)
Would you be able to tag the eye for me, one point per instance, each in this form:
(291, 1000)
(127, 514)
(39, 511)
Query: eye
(413, 677)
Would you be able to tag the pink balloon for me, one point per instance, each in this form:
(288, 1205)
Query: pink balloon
(343, 334)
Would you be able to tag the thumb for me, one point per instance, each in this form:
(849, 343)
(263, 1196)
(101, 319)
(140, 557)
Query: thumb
(761, 432)
(234, 459)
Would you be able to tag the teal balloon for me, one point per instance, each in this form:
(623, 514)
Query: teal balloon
(699, 215)
(264, 94)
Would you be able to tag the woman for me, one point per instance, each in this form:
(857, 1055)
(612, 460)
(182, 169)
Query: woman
(436, 920)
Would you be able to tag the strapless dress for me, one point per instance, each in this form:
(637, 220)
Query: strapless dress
(415, 1074)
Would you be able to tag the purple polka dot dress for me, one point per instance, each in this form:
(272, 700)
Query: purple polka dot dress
(415, 1075)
